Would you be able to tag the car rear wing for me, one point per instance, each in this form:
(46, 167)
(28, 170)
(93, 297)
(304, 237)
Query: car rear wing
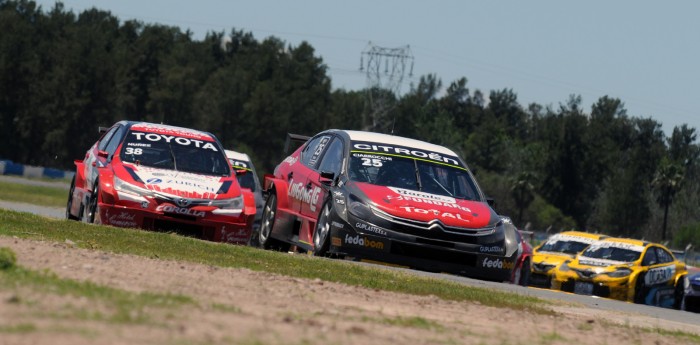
(296, 138)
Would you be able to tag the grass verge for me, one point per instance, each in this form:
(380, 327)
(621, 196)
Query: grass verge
(37, 195)
(174, 247)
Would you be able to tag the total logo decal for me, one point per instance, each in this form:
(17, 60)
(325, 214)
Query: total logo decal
(180, 210)
(425, 198)
(411, 209)
(497, 263)
(363, 242)
(659, 275)
(173, 139)
(309, 196)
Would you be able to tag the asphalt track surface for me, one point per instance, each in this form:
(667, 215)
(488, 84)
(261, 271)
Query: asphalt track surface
(591, 302)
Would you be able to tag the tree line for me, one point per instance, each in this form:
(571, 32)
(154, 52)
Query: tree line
(548, 167)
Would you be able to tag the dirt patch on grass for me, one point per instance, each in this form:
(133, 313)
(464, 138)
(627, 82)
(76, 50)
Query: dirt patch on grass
(246, 307)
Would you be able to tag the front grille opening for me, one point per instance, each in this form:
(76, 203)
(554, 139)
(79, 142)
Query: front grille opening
(181, 216)
(420, 252)
(183, 229)
(435, 242)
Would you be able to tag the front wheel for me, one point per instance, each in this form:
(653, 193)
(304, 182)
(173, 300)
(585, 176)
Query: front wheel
(69, 204)
(91, 211)
(265, 239)
(639, 293)
(323, 228)
(679, 295)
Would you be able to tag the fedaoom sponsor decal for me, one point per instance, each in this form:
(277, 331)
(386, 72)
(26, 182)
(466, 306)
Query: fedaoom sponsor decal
(363, 242)
(497, 263)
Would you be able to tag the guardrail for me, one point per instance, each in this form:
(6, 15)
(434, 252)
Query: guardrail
(8, 167)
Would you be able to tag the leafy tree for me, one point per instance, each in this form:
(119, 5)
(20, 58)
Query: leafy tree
(667, 182)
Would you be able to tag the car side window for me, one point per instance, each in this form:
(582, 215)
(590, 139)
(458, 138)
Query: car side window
(333, 158)
(650, 257)
(114, 141)
(105, 139)
(312, 151)
(663, 256)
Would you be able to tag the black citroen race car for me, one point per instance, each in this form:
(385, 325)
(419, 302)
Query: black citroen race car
(385, 198)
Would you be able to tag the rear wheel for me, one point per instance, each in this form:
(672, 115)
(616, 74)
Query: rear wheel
(323, 228)
(69, 204)
(265, 239)
(525, 273)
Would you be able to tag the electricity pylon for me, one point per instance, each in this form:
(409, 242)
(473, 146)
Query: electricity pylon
(385, 68)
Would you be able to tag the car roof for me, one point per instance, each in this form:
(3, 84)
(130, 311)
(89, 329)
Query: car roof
(237, 155)
(175, 130)
(388, 139)
(584, 234)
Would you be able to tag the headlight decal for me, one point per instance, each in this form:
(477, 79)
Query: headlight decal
(224, 187)
(132, 173)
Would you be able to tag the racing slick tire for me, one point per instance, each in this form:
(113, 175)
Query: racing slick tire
(91, 208)
(679, 295)
(69, 203)
(265, 239)
(322, 231)
(524, 274)
(639, 293)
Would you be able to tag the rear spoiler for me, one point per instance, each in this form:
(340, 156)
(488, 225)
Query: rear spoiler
(297, 138)
(102, 129)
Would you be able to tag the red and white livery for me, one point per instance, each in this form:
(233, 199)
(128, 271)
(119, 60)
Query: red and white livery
(160, 177)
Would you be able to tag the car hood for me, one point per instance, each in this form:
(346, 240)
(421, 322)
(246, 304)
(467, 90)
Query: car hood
(184, 184)
(597, 265)
(549, 257)
(426, 207)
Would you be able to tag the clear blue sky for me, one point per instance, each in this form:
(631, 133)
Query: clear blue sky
(644, 52)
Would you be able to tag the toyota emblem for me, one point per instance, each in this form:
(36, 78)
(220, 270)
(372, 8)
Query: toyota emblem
(182, 202)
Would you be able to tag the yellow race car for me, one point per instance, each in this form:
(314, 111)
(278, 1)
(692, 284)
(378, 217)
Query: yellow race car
(557, 249)
(624, 269)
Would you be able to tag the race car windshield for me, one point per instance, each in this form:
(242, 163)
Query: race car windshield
(567, 247)
(246, 180)
(612, 253)
(176, 153)
(414, 174)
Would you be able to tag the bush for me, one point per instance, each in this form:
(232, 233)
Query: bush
(7, 258)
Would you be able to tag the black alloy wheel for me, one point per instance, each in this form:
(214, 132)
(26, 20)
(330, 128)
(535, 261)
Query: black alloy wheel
(322, 231)
(69, 203)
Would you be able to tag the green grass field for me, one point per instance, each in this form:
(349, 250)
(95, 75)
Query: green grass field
(176, 247)
(37, 195)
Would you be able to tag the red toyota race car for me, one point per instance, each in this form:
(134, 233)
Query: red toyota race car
(159, 177)
(385, 198)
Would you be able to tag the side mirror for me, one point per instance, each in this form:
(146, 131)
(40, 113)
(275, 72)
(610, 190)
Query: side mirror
(491, 202)
(241, 172)
(326, 178)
